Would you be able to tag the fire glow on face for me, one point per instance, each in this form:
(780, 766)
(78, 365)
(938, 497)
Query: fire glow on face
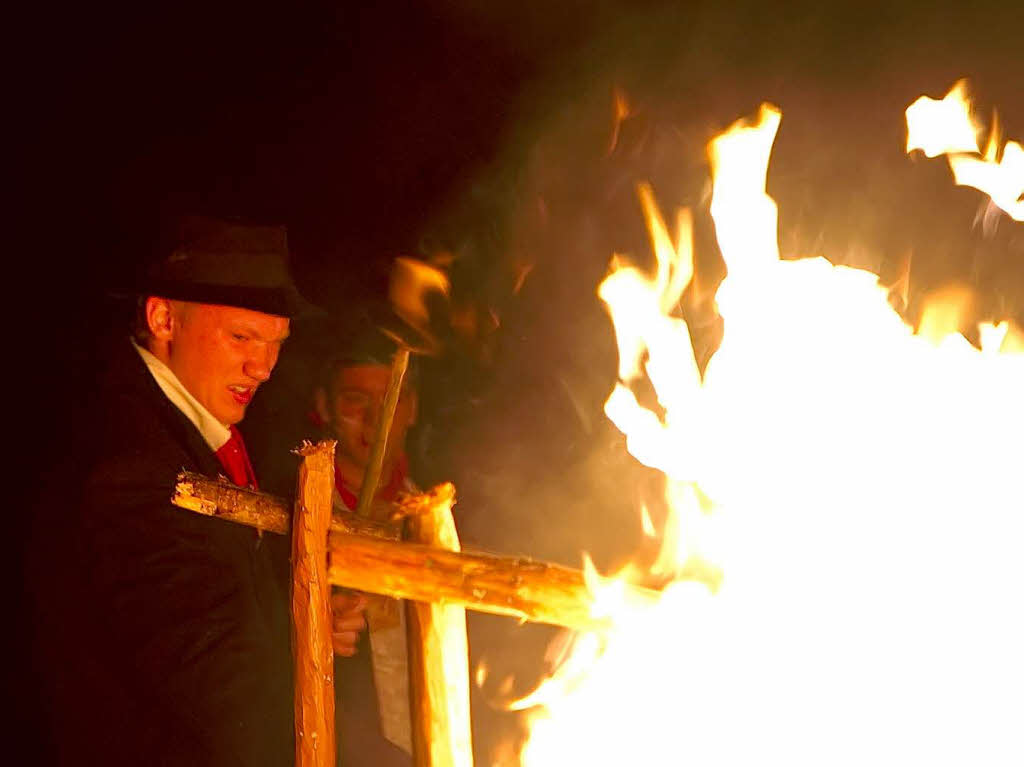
(857, 486)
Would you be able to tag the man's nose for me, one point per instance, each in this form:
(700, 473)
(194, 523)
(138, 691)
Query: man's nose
(260, 363)
(373, 409)
(372, 413)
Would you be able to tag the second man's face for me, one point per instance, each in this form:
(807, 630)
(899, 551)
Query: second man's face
(353, 407)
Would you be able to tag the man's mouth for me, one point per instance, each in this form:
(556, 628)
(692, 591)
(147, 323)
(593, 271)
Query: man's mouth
(242, 394)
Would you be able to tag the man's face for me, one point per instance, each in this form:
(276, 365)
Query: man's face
(221, 354)
(352, 408)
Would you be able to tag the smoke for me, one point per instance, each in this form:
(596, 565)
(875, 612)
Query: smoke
(517, 417)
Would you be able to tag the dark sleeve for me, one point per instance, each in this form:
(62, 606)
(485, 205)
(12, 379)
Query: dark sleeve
(182, 615)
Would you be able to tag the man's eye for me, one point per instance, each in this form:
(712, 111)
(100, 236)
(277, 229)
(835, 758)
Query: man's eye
(239, 337)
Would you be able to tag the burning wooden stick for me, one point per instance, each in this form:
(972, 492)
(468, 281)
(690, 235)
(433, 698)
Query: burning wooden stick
(388, 644)
(517, 587)
(311, 609)
(371, 477)
(408, 284)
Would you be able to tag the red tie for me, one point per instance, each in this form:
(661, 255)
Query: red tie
(235, 460)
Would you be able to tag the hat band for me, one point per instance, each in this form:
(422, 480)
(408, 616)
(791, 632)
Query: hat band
(277, 300)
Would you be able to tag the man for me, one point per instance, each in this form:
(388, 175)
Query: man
(173, 630)
(348, 401)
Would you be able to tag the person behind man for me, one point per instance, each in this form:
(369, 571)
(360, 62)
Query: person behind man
(173, 629)
(348, 400)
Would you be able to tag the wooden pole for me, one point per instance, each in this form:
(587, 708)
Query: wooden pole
(371, 477)
(311, 609)
(438, 659)
(361, 557)
(271, 513)
(519, 588)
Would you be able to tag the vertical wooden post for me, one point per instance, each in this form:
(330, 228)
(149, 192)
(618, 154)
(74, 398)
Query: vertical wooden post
(438, 660)
(311, 609)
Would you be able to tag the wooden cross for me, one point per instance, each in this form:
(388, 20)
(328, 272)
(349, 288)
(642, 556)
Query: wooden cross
(427, 568)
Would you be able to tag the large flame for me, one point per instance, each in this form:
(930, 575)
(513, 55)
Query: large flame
(858, 484)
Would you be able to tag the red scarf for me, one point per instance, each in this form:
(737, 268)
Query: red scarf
(235, 460)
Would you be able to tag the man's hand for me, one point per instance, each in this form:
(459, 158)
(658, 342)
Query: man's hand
(347, 609)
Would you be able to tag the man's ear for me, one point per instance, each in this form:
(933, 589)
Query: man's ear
(160, 318)
(320, 404)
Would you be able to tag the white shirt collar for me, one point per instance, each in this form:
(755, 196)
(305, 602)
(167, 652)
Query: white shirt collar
(214, 432)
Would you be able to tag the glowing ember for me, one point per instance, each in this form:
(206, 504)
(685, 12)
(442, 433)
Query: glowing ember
(859, 486)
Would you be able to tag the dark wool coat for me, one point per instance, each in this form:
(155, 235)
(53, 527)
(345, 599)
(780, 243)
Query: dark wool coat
(172, 630)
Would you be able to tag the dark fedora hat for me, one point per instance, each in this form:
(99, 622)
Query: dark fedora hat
(218, 261)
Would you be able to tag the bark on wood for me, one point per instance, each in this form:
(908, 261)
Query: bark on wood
(220, 498)
(520, 588)
(311, 609)
(438, 659)
(362, 558)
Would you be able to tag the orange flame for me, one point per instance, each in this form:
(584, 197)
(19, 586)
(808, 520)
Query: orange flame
(411, 282)
(847, 495)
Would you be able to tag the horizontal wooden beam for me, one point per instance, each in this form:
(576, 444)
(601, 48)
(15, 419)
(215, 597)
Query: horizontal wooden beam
(516, 587)
(366, 556)
(222, 499)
